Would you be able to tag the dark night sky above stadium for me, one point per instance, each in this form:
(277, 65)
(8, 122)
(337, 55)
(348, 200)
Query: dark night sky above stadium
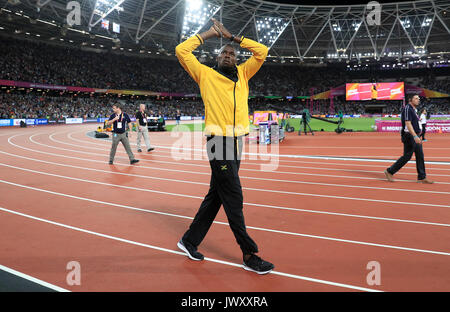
(331, 2)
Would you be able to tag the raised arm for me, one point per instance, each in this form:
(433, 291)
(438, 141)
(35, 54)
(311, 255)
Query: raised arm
(187, 58)
(260, 51)
(254, 63)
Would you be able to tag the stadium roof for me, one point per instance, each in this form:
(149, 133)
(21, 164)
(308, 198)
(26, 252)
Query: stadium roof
(305, 32)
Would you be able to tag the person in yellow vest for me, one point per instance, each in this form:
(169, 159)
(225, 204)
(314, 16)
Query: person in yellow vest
(224, 90)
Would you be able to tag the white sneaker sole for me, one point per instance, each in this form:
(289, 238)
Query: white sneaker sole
(257, 272)
(187, 252)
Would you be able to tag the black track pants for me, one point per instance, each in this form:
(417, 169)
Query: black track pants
(225, 189)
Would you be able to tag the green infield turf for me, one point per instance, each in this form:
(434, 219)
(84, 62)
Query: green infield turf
(186, 127)
(356, 124)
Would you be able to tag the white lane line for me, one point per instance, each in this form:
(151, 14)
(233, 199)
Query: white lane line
(321, 195)
(161, 145)
(246, 163)
(369, 158)
(303, 147)
(295, 193)
(205, 166)
(242, 177)
(157, 154)
(363, 158)
(31, 278)
(300, 182)
(223, 223)
(127, 241)
(247, 204)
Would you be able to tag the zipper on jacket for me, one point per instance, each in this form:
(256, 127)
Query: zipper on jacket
(234, 114)
(236, 147)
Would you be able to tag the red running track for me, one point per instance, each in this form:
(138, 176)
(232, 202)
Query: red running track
(321, 220)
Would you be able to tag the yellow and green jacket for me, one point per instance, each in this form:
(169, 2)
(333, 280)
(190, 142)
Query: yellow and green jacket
(226, 101)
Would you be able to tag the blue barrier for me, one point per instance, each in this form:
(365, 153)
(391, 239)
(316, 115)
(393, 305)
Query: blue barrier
(90, 120)
(6, 122)
(41, 121)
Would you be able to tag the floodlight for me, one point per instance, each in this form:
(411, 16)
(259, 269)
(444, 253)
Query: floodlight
(269, 29)
(102, 9)
(196, 14)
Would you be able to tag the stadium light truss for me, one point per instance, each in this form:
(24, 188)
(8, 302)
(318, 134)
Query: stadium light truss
(196, 14)
(343, 32)
(345, 56)
(417, 29)
(103, 8)
(269, 29)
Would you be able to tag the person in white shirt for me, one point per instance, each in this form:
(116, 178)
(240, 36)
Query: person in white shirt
(142, 128)
(423, 123)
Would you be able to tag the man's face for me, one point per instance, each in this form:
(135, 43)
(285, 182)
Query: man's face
(116, 109)
(227, 57)
(415, 100)
(142, 106)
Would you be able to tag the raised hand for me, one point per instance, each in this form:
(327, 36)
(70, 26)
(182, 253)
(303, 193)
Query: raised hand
(215, 32)
(218, 26)
(210, 33)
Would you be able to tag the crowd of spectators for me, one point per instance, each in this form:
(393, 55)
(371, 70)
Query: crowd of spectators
(431, 82)
(56, 106)
(168, 107)
(56, 65)
(38, 62)
(32, 105)
(38, 105)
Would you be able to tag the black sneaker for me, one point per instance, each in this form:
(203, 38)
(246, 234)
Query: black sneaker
(139, 151)
(258, 265)
(110, 162)
(150, 149)
(190, 250)
(134, 161)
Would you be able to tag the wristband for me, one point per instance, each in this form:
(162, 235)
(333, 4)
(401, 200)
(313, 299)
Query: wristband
(416, 136)
(232, 38)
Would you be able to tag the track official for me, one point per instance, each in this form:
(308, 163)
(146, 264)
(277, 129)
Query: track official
(120, 121)
(142, 129)
(412, 144)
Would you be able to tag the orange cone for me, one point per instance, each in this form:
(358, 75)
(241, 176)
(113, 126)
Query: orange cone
(440, 130)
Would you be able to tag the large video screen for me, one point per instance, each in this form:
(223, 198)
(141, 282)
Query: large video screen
(263, 116)
(375, 91)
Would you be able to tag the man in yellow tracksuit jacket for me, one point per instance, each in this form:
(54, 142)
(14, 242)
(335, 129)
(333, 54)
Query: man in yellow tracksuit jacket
(224, 90)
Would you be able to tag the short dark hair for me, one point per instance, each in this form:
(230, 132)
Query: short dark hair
(228, 45)
(117, 105)
(412, 96)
